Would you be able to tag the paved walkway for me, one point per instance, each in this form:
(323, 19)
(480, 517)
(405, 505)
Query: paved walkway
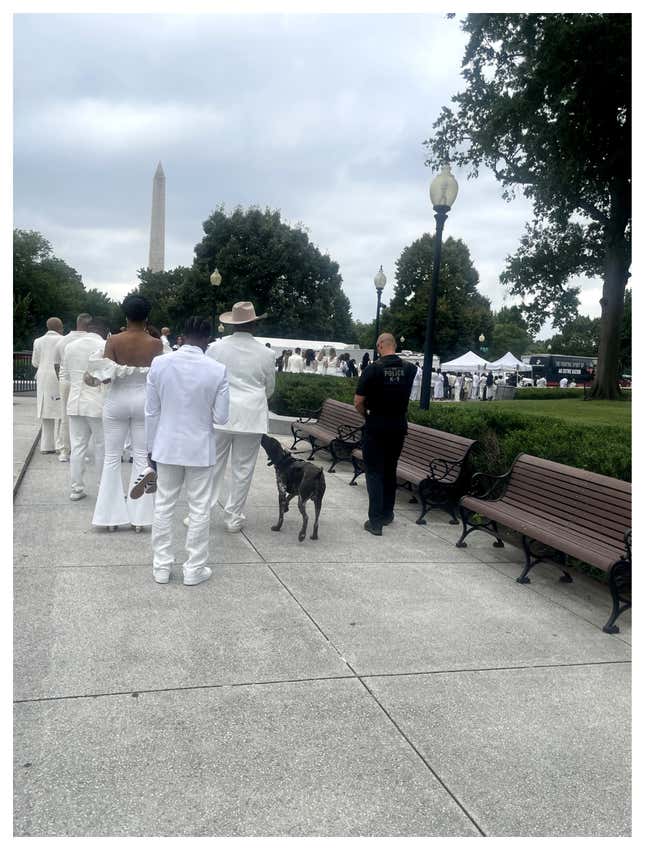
(352, 685)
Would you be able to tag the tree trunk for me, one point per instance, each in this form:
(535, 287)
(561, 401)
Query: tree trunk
(605, 385)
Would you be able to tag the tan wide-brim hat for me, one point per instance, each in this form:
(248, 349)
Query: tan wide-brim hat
(242, 313)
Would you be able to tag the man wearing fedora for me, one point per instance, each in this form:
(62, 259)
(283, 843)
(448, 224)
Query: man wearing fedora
(251, 377)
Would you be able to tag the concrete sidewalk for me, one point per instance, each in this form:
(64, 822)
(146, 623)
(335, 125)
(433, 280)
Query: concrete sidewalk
(352, 685)
(26, 432)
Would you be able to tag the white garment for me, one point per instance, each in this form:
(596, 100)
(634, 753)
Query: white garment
(458, 385)
(47, 435)
(415, 395)
(186, 393)
(482, 386)
(541, 382)
(296, 364)
(43, 357)
(564, 383)
(82, 400)
(166, 345)
(123, 410)
(81, 430)
(437, 385)
(199, 485)
(251, 380)
(243, 450)
(64, 435)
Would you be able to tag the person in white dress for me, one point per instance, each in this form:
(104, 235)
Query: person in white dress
(124, 365)
(459, 382)
(296, 363)
(331, 366)
(48, 401)
(564, 383)
(186, 394)
(415, 395)
(84, 404)
(311, 364)
(482, 386)
(165, 333)
(251, 379)
(437, 385)
(64, 444)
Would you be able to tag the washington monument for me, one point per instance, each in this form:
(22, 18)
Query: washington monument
(158, 221)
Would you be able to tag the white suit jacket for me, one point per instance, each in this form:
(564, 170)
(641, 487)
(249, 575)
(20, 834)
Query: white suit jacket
(83, 400)
(186, 393)
(43, 357)
(296, 363)
(251, 376)
(72, 336)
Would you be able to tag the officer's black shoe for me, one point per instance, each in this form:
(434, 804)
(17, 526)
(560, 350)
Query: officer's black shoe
(373, 529)
(387, 519)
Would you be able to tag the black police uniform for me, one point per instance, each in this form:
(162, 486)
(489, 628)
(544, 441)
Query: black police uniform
(386, 385)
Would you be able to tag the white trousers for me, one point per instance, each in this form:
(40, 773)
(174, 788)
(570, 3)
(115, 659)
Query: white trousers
(123, 409)
(48, 435)
(81, 431)
(64, 444)
(243, 450)
(199, 486)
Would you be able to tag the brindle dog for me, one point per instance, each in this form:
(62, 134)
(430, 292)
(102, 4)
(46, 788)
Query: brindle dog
(295, 478)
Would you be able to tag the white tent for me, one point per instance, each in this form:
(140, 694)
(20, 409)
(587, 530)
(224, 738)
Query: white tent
(509, 363)
(469, 362)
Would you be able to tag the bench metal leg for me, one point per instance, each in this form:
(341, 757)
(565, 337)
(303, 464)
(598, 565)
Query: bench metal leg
(357, 471)
(619, 583)
(532, 558)
(489, 527)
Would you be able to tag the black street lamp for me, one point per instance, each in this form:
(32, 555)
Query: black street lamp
(216, 280)
(443, 192)
(379, 282)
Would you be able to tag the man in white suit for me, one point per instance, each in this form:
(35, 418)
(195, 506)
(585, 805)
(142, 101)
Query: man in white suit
(251, 376)
(296, 363)
(84, 404)
(48, 404)
(186, 393)
(64, 442)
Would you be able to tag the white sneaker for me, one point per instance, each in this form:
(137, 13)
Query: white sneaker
(161, 576)
(197, 578)
(63, 458)
(145, 483)
(76, 495)
(186, 521)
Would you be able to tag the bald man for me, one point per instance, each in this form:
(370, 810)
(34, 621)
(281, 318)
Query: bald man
(382, 396)
(63, 444)
(48, 402)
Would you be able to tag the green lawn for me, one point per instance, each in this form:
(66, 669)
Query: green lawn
(575, 410)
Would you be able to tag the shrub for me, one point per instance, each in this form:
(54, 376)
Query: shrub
(551, 393)
(501, 433)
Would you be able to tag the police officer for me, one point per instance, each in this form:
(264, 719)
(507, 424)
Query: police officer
(382, 396)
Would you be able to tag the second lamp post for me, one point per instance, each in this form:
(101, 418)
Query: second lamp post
(443, 192)
(379, 282)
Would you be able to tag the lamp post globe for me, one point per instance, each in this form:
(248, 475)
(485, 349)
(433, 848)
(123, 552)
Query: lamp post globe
(443, 194)
(216, 280)
(379, 282)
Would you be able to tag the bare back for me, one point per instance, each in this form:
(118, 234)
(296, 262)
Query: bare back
(133, 348)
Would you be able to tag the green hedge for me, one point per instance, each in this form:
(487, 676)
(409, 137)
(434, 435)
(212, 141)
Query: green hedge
(540, 393)
(501, 434)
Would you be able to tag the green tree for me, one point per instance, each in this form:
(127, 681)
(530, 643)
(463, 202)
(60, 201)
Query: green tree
(510, 333)
(547, 108)
(462, 312)
(43, 286)
(581, 336)
(175, 295)
(364, 333)
(97, 303)
(264, 260)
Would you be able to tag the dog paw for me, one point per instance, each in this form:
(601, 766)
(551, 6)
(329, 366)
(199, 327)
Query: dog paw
(314, 536)
(301, 536)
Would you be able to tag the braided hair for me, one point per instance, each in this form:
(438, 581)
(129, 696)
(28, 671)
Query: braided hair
(197, 326)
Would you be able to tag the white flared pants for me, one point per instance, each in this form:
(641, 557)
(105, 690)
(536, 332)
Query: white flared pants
(64, 442)
(123, 410)
(81, 431)
(243, 450)
(199, 486)
(48, 435)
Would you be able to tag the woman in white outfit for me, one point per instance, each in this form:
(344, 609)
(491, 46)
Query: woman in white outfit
(415, 395)
(124, 365)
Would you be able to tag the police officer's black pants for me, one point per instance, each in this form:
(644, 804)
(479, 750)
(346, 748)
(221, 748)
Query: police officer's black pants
(381, 452)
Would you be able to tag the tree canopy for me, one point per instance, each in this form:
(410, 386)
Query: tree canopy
(462, 312)
(264, 260)
(547, 108)
(510, 333)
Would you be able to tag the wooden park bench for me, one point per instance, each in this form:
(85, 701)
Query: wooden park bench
(336, 427)
(565, 511)
(434, 463)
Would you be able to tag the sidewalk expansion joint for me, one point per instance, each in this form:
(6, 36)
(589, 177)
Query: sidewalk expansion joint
(440, 672)
(181, 688)
(421, 757)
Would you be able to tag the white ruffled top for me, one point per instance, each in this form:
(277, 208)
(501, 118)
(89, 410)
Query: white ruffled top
(105, 369)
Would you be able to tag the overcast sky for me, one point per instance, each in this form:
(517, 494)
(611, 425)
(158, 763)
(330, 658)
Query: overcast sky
(319, 116)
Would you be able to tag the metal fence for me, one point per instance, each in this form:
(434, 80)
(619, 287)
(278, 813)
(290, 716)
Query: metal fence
(24, 374)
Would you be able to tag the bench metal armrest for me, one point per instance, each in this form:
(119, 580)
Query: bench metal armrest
(441, 468)
(308, 415)
(348, 434)
(484, 485)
